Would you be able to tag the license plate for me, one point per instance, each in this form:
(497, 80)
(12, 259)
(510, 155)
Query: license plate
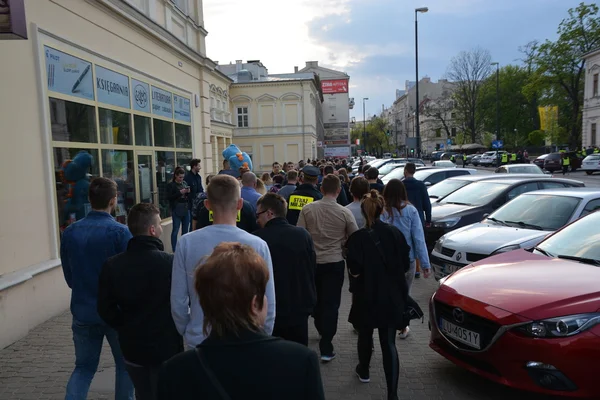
(461, 334)
(447, 269)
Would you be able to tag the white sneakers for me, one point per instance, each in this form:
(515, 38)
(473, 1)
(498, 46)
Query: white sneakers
(404, 333)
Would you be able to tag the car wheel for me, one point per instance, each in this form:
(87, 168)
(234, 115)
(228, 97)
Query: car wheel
(589, 172)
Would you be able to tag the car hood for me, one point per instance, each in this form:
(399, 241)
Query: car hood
(531, 285)
(444, 209)
(484, 238)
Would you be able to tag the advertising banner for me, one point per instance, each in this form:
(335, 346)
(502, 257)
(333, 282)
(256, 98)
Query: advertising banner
(112, 87)
(182, 108)
(548, 117)
(141, 95)
(334, 86)
(12, 19)
(68, 75)
(342, 151)
(336, 132)
(162, 102)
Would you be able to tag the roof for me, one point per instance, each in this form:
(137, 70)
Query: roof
(579, 192)
(275, 78)
(511, 180)
(591, 53)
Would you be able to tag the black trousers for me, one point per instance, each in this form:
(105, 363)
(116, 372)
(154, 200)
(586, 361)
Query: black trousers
(565, 169)
(391, 364)
(296, 331)
(329, 280)
(145, 381)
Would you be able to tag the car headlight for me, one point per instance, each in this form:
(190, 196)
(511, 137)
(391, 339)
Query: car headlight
(438, 244)
(561, 327)
(506, 249)
(445, 223)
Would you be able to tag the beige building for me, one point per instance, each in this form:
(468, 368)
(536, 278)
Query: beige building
(591, 100)
(127, 82)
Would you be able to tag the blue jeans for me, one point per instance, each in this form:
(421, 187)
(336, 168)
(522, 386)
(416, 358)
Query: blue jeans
(88, 346)
(184, 223)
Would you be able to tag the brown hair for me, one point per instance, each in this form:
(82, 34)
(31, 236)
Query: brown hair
(273, 202)
(292, 175)
(223, 192)
(178, 171)
(372, 173)
(395, 196)
(359, 187)
(226, 285)
(141, 218)
(344, 174)
(260, 186)
(410, 168)
(331, 184)
(101, 192)
(328, 169)
(194, 162)
(371, 207)
(209, 177)
(266, 178)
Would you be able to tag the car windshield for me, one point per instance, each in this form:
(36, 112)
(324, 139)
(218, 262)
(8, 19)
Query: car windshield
(444, 164)
(444, 188)
(476, 194)
(593, 157)
(525, 169)
(387, 168)
(534, 211)
(489, 153)
(397, 173)
(579, 240)
(376, 163)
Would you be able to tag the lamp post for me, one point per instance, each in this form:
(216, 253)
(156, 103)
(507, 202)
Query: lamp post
(364, 125)
(417, 128)
(497, 99)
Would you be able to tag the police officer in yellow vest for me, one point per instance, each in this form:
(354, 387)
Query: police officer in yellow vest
(596, 150)
(305, 193)
(513, 158)
(504, 158)
(566, 162)
(464, 158)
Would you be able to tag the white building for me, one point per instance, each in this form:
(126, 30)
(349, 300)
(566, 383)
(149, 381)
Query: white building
(591, 100)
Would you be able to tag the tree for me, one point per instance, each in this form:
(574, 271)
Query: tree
(375, 139)
(440, 110)
(537, 137)
(561, 66)
(468, 71)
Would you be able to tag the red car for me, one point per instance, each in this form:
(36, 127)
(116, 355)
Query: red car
(529, 319)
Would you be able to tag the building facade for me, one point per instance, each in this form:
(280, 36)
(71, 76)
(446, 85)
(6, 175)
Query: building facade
(591, 100)
(125, 84)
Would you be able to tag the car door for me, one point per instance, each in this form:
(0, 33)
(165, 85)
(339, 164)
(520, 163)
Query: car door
(520, 189)
(590, 207)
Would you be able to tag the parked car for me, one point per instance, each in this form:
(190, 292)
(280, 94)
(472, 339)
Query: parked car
(553, 162)
(540, 160)
(489, 158)
(430, 175)
(444, 164)
(519, 169)
(521, 223)
(386, 169)
(436, 155)
(591, 164)
(528, 319)
(470, 203)
(474, 160)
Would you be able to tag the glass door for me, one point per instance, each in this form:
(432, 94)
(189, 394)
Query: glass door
(146, 176)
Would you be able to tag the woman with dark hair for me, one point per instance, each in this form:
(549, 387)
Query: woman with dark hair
(238, 360)
(404, 216)
(378, 259)
(178, 191)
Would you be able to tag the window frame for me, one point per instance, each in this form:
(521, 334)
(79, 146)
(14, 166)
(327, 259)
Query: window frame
(245, 113)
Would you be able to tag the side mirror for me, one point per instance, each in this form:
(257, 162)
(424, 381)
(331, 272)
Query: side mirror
(427, 183)
(485, 216)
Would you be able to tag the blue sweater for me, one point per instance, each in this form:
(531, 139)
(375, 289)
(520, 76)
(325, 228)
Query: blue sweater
(84, 248)
(418, 197)
(191, 249)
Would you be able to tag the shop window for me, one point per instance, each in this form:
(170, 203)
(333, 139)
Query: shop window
(115, 127)
(165, 165)
(143, 133)
(163, 133)
(118, 166)
(72, 122)
(183, 136)
(72, 183)
(183, 160)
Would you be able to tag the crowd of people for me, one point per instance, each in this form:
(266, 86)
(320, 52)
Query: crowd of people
(227, 315)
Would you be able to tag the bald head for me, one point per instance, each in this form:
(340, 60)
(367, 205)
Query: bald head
(249, 179)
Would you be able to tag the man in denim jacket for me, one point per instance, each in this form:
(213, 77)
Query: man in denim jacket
(85, 246)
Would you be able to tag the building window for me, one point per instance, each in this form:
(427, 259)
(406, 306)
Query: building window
(242, 115)
(183, 136)
(595, 86)
(163, 133)
(438, 132)
(72, 122)
(118, 166)
(114, 127)
(182, 5)
(453, 115)
(453, 131)
(593, 141)
(143, 131)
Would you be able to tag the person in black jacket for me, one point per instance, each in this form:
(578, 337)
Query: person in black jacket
(342, 198)
(378, 258)
(305, 193)
(238, 360)
(194, 181)
(246, 218)
(134, 299)
(178, 194)
(294, 266)
(417, 193)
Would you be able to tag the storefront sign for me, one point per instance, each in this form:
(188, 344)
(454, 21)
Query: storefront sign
(12, 19)
(334, 86)
(343, 151)
(182, 108)
(162, 102)
(112, 87)
(336, 132)
(68, 75)
(141, 96)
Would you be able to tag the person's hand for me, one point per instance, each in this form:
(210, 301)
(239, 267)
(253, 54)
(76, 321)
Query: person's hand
(426, 273)
(183, 191)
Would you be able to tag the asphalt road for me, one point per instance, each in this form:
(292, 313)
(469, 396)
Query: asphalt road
(588, 180)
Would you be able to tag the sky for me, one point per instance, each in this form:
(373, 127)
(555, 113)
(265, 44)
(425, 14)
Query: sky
(374, 41)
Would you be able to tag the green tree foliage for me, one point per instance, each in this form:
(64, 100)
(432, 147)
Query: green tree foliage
(537, 137)
(374, 137)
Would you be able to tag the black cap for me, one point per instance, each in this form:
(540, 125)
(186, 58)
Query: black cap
(310, 170)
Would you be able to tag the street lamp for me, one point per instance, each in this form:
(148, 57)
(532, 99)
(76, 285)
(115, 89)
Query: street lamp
(497, 99)
(364, 125)
(417, 130)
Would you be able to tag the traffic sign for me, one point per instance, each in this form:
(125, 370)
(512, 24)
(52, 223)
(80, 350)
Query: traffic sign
(441, 146)
(449, 141)
(497, 144)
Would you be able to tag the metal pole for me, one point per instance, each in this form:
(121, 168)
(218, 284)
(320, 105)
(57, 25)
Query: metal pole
(497, 101)
(417, 127)
(364, 127)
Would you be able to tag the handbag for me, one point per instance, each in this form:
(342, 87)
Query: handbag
(211, 376)
(412, 310)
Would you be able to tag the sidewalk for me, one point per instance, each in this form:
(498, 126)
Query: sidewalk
(39, 365)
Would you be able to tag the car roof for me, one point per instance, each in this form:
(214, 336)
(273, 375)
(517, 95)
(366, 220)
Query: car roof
(434, 169)
(520, 165)
(475, 178)
(516, 180)
(579, 192)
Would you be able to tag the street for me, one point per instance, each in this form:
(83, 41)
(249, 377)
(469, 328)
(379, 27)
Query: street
(589, 180)
(39, 365)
